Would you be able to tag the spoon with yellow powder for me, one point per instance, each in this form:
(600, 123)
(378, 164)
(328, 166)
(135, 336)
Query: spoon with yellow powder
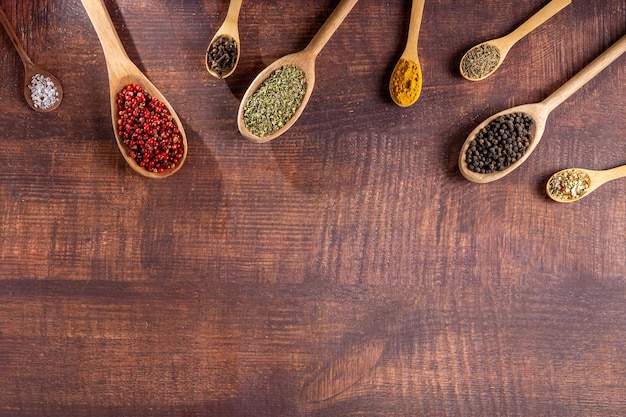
(482, 60)
(405, 85)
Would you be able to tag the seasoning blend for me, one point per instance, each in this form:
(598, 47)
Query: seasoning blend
(276, 101)
(568, 185)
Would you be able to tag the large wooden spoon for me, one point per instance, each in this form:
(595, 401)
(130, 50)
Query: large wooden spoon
(584, 182)
(539, 112)
(123, 72)
(476, 66)
(230, 31)
(409, 56)
(31, 70)
(305, 61)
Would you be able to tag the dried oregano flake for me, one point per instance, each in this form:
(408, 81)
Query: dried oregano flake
(276, 101)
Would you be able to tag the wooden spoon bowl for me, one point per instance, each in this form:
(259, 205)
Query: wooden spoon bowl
(537, 111)
(30, 69)
(123, 72)
(303, 60)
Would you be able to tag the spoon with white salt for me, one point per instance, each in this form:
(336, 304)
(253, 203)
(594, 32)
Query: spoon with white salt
(42, 90)
(482, 60)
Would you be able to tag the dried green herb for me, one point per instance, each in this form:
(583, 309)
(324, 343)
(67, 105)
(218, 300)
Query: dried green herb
(480, 61)
(569, 184)
(276, 101)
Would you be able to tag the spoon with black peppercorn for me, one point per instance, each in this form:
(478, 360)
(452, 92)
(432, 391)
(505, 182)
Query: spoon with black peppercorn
(482, 60)
(303, 60)
(42, 90)
(222, 54)
(122, 73)
(482, 165)
(572, 184)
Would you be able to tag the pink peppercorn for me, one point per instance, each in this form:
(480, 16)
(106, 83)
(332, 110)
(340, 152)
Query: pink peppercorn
(146, 128)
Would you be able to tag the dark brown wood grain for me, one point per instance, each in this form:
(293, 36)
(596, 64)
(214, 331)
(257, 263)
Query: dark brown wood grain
(343, 269)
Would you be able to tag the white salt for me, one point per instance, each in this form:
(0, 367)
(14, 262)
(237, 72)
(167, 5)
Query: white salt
(43, 91)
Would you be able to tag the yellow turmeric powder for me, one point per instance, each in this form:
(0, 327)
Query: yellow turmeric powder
(406, 83)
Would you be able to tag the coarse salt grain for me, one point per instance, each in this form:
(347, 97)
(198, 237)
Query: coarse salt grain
(43, 91)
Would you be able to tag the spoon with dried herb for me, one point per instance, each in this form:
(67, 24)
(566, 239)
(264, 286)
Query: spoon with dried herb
(278, 95)
(484, 59)
(572, 184)
(405, 85)
(500, 144)
(222, 54)
(136, 104)
(42, 90)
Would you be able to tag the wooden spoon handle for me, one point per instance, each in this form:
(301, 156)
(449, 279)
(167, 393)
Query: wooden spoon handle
(415, 22)
(615, 173)
(14, 39)
(586, 74)
(330, 26)
(109, 39)
(537, 19)
(233, 11)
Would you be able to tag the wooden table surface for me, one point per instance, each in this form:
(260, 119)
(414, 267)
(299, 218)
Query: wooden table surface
(345, 268)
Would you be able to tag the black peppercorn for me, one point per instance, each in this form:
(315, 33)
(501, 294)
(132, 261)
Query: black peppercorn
(499, 144)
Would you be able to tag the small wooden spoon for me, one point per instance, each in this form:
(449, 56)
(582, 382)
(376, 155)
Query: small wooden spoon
(410, 53)
(595, 179)
(505, 43)
(305, 61)
(229, 30)
(539, 112)
(30, 69)
(123, 72)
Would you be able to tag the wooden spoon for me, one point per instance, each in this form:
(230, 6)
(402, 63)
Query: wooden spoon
(594, 180)
(31, 70)
(539, 112)
(122, 72)
(305, 61)
(505, 43)
(410, 54)
(228, 30)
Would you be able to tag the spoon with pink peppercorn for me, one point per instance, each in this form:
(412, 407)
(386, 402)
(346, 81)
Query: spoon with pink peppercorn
(148, 132)
(42, 90)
